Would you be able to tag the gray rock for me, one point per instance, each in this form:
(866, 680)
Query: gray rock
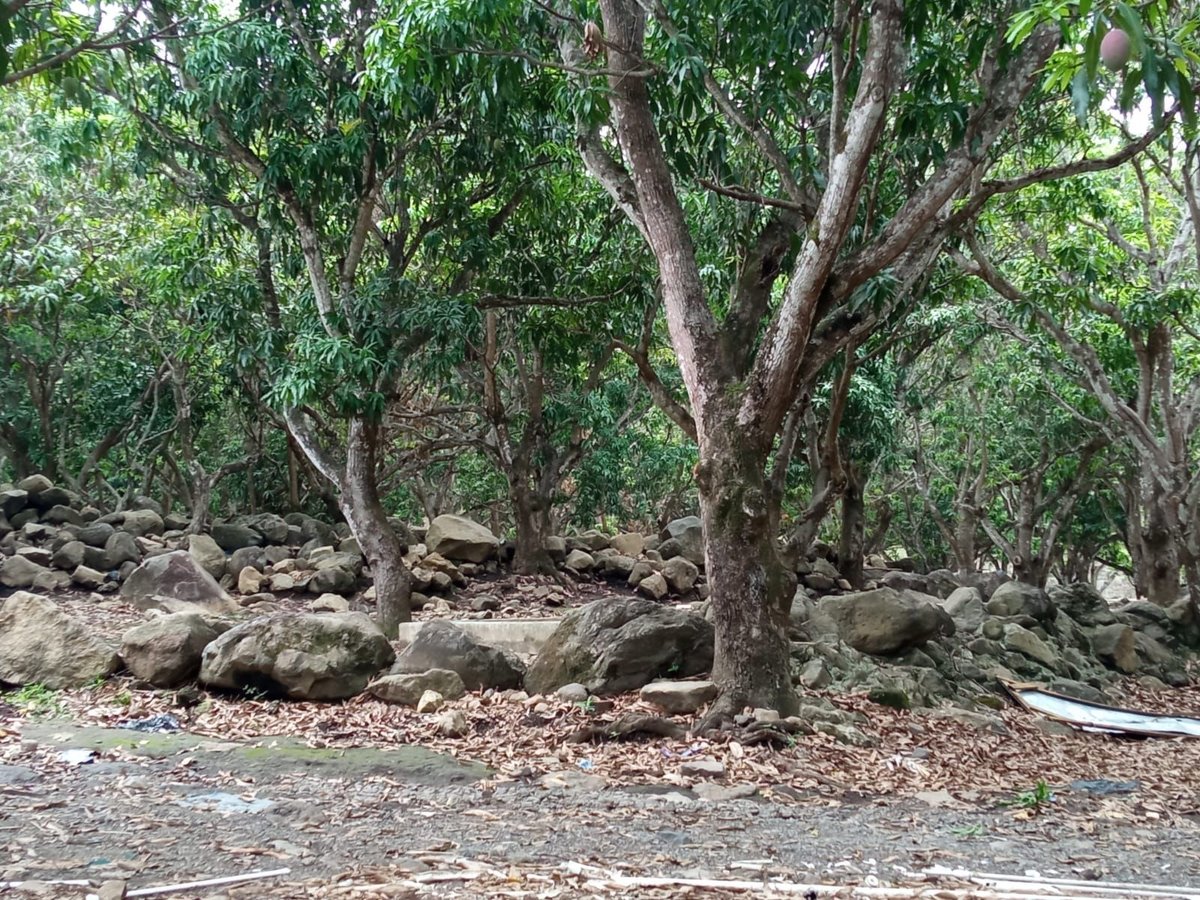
(141, 522)
(408, 689)
(12, 502)
(702, 768)
(230, 536)
(680, 574)
(654, 586)
(556, 546)
(166, 651)
(1083, 603)
(95, 534)
(69, 556)
(1077, 689)
(19, 572)
(62, 515)
(1016, 599)
(593, 540)
(885, 621)
(246, 556)
(572, 693)
(39, 555)
(298, 655)
(35, 484)
(1116, 647)
(329, 603)
(1023, 641)
(332, 580)
(273, 529)
(619, 644)
(458, 538)
(679, 697)
(121, 547)
(40, 644)
(815, 675)
(175, 575)
(442, 645)
(687, 534)
(580, 561)
(965, 607)
(617, 566)
(208, 554)
(87, 578)
(629, 544)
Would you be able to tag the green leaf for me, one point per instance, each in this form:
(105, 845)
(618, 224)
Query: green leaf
(1081, 95)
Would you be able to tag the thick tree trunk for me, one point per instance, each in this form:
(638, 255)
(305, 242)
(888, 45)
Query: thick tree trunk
(532, 514)
(850, 544)
(382, 547)
(751, 590)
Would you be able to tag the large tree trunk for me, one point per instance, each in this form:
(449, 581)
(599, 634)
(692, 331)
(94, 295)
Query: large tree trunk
(850, 544)
(364, 512)
(751, 590)
(532, 513)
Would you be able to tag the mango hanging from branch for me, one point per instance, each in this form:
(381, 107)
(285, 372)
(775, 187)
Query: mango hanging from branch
(1115, 50)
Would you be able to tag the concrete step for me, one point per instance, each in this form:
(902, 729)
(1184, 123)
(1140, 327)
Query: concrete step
(522, 636)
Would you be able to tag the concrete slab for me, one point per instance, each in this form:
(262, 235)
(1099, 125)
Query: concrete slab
(522, 636)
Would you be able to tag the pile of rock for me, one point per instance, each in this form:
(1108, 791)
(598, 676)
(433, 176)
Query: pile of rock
(915, 649)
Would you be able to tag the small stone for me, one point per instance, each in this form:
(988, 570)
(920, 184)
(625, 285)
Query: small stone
(571, 780)
(282, 581)
(431, 701)
(702, 768)
(653, 586)
(485, 603)
(111, 890)
(815, 675)
(572, 693)
(330, 603)
(766, 715)
(718, 793)
(87, 578)
(679, 697)
(250, 581)
(452, 723)
(580, 561)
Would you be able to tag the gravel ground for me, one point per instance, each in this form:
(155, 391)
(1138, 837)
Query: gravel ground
(204, 809)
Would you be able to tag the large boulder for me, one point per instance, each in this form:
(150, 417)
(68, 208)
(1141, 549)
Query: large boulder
(12, 502)
(166, 651)
(620, 644)
(121, 547)
(965, 607)
(685, 538)
(1116, 646)
(19, 572)
(1083, 603)
(273, 528)
(208, 554)
(230, 536)
(442, 645)
(460, 539)
(40, 644)
(141, 522)
(299, 656)
(1013, 598)
(177, 576)
(886, 621)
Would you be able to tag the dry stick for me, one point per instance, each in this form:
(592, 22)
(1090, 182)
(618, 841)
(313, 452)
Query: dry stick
(1095, 886)
(1005, 887)
(208, 882)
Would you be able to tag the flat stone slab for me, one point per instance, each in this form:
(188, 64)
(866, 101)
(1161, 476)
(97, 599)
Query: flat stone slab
(267, 756)
(521, 636)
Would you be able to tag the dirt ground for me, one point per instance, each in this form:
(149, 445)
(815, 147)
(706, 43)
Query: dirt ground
(93, 803)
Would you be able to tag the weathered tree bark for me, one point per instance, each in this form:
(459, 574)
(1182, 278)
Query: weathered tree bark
(531, 511)
(384, 551)
(751, 590)
(850, 544)
(358, 500)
